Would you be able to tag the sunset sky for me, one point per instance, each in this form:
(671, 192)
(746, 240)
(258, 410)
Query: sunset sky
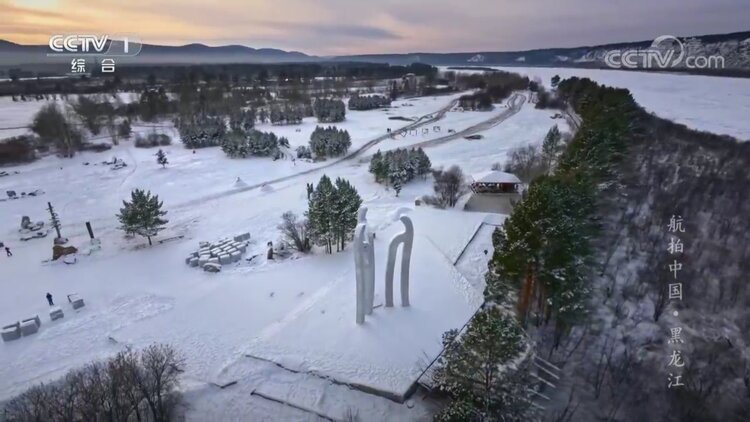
(329, 27)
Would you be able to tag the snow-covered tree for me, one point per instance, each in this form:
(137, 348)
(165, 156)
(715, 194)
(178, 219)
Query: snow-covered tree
(398, 167)
(329, 110)
(368, 102)
(332, 213)
(347, 204)
(124, 130)
(482, 370)
(303, 152)
(551, 147)
(142, 215)
(329, 141)
(319, 213)
(161, 158)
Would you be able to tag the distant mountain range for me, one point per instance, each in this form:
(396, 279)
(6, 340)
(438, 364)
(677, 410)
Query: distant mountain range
(734, 47)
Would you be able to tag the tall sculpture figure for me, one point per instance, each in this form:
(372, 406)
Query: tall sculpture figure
(364, 265)
(405, 238)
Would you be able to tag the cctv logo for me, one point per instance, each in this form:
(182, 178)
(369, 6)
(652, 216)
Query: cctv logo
(78, 43)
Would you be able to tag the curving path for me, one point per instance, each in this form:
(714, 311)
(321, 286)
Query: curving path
(424, 120)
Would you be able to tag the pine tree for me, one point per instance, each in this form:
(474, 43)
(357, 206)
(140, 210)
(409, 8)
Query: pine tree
(396, 176)
(161, 158)
(142, 215)
(475, 370)
(348, 202)
(423, 163)
(320, 213)
(551, 146)
(375, 163)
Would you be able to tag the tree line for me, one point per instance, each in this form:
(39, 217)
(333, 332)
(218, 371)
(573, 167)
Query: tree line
(141, 386)
(368, 102)
(329, 110)
(540, 267)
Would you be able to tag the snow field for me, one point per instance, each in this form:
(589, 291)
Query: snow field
(138, 295)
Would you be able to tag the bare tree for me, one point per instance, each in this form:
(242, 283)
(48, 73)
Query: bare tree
(449, 186)
(294, 232)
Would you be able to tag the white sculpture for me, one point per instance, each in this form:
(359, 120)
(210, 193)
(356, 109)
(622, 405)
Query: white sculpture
(407, 239)
(364, 264)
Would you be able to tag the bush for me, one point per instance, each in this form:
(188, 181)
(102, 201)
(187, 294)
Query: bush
(152, 140)
(129, 386)
(19, 149)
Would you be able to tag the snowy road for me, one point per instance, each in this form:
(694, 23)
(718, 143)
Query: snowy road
(515, 103)
(424, 120)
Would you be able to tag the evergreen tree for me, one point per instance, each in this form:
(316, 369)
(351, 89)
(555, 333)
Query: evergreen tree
(142, 215)
(329, 141)
(124, 130)
(424, 166)
(555, 81)
(477, 370)
(320, 214)
(161, 158)
(348, 202)
(378, 166)
(551, 146)
(332, 213)
(397, 176)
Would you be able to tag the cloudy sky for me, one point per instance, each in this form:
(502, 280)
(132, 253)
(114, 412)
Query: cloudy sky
(328, 27)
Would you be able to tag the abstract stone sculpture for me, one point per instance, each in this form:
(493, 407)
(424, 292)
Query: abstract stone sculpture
(364, 264)
(405, 238)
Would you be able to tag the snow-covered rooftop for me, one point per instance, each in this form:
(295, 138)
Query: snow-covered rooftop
(495, 177)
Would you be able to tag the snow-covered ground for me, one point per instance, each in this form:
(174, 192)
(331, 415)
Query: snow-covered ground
(297, 312)
(713, 104)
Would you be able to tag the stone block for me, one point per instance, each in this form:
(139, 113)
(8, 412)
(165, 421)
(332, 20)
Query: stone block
(11, 332)
(212, 268)
(35, 318)
(225, 259)
(236, 256)
(29, 327)
(56, 313)
(194, 262)
(76, 301)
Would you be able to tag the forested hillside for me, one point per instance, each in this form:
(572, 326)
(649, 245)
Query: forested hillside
(590, 260)
(621, 358)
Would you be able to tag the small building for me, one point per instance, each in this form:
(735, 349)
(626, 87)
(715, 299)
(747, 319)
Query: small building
(495, 182)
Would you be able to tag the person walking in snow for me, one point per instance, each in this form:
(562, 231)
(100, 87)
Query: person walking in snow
(8, 252)
(49, 299)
